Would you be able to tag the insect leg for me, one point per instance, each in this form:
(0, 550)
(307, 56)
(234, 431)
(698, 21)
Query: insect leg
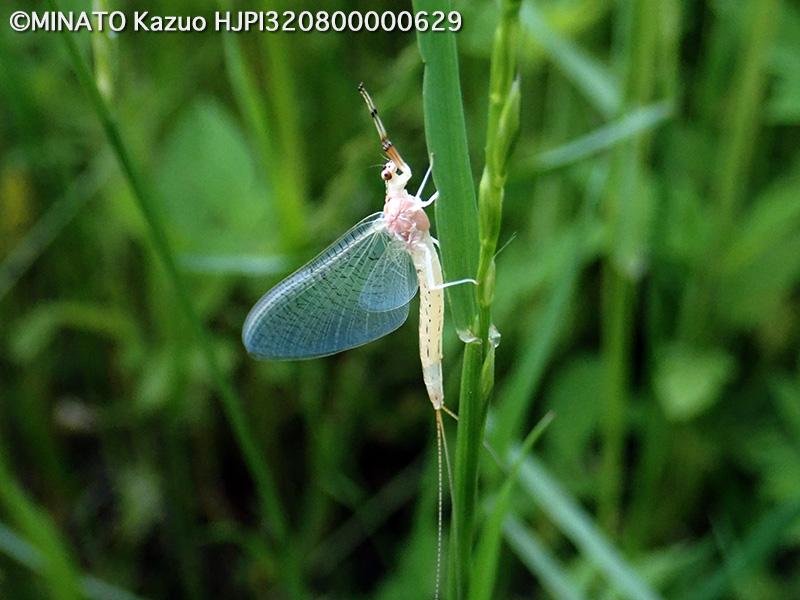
(429, 274)
(430, 200)
(456, 282)
(425, 180)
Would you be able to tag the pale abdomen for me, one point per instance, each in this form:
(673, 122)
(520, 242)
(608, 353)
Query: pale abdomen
(431, 318)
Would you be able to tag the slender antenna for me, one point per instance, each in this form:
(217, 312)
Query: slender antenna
(386, 143)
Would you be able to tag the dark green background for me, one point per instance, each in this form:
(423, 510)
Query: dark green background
(647, 293)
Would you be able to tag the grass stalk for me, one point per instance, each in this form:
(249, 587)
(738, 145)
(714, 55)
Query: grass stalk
(569, 516)
(445, 133)
(618, 298)
(57, 565)
(524, 381)
(21, 551)
(638, 35)
(487, 553)
(457, 229)
(290, 181)
(272, 129)
(741, 120)
(760, 543)
(447, 141)
(264, 483)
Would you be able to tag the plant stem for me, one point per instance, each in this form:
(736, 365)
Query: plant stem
(627, 215)
(58, 566)
(231, 405)
(471, 311)
(457, 229)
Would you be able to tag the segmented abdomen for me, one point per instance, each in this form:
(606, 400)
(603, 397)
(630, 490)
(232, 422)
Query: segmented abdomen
(431, 318)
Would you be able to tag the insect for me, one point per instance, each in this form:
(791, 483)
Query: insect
(359, 289)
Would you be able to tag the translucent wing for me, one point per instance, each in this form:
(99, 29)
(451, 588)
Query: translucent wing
(393, 282)
(319, 310)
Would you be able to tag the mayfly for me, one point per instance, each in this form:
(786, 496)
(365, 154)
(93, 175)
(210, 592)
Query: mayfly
(359, 289)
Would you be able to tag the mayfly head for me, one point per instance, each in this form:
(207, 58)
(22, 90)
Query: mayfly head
(396, 180)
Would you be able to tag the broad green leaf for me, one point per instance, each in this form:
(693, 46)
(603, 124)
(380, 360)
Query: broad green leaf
(207, 184)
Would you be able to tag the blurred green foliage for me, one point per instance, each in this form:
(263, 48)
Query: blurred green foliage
(647, 292)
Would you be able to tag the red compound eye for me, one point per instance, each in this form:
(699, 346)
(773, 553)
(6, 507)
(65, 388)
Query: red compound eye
(386, 174)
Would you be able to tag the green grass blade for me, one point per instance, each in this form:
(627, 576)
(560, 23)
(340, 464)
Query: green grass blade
(589, 75)
(457, 229)
(445, 133)
(232, 407)
(603, 138)
(487, 554)
(41, 235)
(539, 561)
(443, 105)
(524, 380)
(578, 527)
(282, 169)
(762, 541)
(743, 116)
(50, 554)
(13, 545)
(102, 43)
